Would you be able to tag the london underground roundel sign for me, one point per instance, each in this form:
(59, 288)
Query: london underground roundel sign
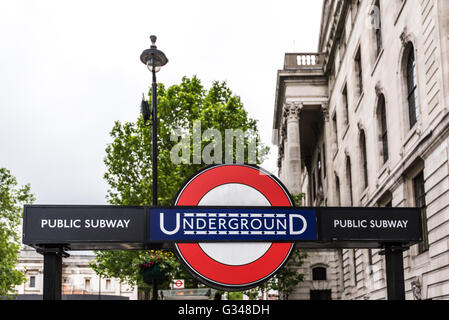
(233, 265)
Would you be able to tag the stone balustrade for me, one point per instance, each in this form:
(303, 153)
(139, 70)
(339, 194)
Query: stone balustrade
(303, 61)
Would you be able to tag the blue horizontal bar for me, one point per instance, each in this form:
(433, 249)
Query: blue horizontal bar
(232, 224)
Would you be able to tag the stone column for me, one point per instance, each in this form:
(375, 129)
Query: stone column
(328, 141)
(293, 148)
(281, 152)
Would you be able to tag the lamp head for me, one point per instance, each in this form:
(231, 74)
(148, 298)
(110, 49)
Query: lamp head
(153, 58)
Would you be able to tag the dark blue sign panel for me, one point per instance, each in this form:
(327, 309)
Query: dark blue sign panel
(182, 224)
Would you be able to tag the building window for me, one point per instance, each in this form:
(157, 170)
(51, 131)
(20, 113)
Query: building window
(332, 76)
(383, 127)
(358, 71)
(87, 284)
(341, 263)
(354, 261)
(334, 126)
(313, 186)
(108, 284)
(420, 202)
(321, 294)
(319, 171)
(319, 273)
(345, 105)
(32, 282)
(342, 48)
(364, 158)
(324, 161)
(349, 179)
(370, 258)
(337, 190)
(354, 10)
(377, 26)
(412, 86)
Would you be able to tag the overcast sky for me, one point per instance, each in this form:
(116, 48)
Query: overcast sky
(69, 69)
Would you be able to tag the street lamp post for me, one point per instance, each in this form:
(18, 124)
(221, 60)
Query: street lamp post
(154, 59)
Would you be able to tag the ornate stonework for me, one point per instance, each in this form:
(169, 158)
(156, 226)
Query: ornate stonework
(292, 111)
(416, 289)
(405, 37)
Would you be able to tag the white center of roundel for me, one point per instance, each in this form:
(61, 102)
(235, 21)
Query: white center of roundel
(238, 253)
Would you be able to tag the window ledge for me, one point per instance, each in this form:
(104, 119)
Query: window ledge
(384, 170)
(359, 101)
(385, 167)
(335, 155)
(419, 259)
(364, 196)
(345, 131)
(410, 134)
(400, 11)
(377, 61)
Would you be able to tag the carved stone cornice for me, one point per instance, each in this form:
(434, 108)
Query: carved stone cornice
(336, 27)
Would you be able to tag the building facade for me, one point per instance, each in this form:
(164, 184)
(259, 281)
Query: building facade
(77, 277)
(365, 122)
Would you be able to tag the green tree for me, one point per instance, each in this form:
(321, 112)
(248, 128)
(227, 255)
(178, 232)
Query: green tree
(12, 199)
(237, 295)
(288, 277)
(128, 161)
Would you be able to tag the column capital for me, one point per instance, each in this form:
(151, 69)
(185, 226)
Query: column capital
(292, 110)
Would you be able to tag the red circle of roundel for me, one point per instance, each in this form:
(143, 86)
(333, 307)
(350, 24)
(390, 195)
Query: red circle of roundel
(217, 273)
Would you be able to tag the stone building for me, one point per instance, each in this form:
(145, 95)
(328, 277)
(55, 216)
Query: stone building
(78, 279)
(364, 122)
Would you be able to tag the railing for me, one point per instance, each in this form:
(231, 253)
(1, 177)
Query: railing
(303, 61)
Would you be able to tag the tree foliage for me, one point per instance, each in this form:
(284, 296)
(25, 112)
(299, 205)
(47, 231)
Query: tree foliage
(12, 199)
(129, 165)
(288, 277)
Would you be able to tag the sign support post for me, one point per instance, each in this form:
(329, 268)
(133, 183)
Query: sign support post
(52, 272)
(395, 272)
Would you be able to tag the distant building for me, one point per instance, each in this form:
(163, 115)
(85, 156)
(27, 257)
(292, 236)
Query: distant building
(365, 122)
(77, 277)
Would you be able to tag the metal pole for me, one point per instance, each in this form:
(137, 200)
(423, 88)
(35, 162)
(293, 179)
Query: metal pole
(395, 272)
(154, 105)
(52, 273)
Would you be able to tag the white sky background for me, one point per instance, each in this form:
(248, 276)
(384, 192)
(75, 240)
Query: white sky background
(69, 69)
